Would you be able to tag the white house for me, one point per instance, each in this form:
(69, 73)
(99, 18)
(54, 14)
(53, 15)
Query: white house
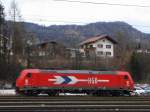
(100, 46)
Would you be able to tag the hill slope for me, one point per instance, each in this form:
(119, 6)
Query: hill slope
(73, 34)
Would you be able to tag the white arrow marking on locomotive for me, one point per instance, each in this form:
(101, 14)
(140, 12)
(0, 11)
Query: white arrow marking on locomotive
(103, 80)
(73, 80)
(58, 80)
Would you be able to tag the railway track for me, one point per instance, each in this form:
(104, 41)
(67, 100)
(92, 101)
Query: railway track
(74, 104)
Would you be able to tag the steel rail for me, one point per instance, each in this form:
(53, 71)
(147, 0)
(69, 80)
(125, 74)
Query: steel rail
(74, 104)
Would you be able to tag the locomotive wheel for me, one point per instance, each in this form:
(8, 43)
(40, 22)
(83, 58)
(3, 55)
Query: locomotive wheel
(118, 93)
(115, 94)
(101, 93)
(127, 93)
(21, 93)
(53, 94)
(30, 93)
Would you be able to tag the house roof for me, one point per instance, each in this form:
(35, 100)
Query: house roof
(48, 42)
(43, 44)
(96, 38)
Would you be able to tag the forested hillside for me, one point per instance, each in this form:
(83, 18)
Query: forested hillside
(73, 34)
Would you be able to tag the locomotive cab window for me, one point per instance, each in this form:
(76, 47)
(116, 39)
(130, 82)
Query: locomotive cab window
(29, 75)
(126, 77)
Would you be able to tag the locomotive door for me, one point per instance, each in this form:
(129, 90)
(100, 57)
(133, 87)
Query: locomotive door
(30, 79)
(125, 83)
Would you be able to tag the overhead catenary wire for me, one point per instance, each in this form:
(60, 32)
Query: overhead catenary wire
(83, 23)
(105, 3)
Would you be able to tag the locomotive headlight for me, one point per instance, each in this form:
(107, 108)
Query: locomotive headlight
(26, 81)
(127, 83)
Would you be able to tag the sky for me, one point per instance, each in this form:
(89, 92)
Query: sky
(57, 12)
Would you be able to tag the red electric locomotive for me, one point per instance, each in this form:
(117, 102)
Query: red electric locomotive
(53, 82)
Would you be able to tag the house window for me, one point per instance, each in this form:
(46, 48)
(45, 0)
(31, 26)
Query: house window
(100, 45)
(42, 53)
(99, 52)
(108, 46)
(91, 46)
(108, 53)
(82, 54)
(103, 40)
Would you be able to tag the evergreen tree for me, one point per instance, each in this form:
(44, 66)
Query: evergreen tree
(1, 15)
(135, 67)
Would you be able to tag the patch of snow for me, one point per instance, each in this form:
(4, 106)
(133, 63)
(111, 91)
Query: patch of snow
(72, 94)
(5, 92)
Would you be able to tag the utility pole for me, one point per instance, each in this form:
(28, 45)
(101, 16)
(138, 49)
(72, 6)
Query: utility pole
(95, 59)
(53, 49)
(13, 30)
(29, 43)
(2, 39)
(76, 59)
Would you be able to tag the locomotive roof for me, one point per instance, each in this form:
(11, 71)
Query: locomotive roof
(81, 71)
